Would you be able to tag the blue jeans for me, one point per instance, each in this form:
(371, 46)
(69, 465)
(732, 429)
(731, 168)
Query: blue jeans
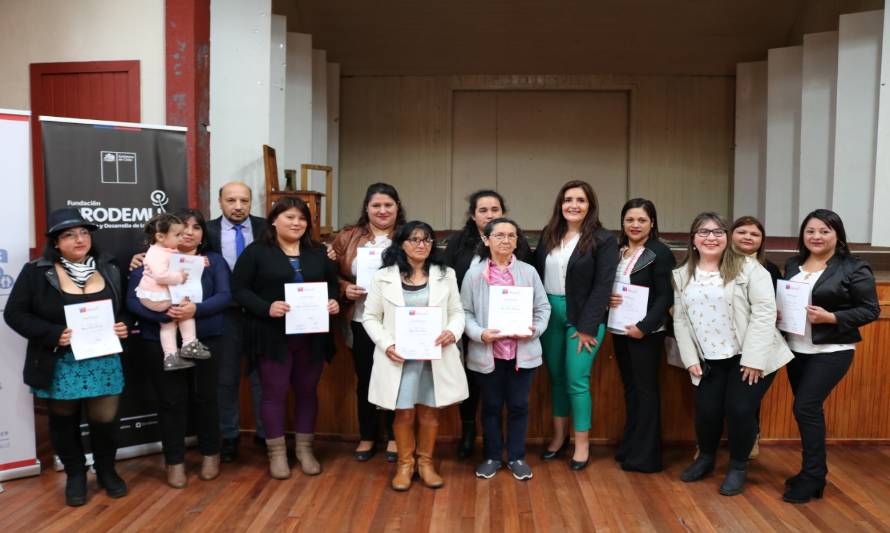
(505, 385)
(228, 391)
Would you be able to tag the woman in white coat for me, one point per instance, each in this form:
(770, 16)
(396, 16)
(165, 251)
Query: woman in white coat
(725, 325)
(413, 276)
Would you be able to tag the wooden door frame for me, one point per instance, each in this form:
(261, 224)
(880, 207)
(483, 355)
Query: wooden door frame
(37, 70)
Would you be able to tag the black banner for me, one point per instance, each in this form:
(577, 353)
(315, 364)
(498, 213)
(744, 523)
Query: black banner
(119, 176)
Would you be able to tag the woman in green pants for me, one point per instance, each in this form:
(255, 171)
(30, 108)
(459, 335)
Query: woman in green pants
(576, 259)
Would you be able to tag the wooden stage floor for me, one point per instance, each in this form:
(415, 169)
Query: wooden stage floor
(351, 496)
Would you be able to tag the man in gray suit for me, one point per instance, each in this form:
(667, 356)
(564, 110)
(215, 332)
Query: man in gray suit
(228, 235)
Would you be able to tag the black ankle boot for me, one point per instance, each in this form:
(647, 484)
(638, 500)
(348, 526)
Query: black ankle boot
(104, 451)
(734, 483)
(467, 440)
(64, 433)
(701, 467)
(804, 489)
(793, 479)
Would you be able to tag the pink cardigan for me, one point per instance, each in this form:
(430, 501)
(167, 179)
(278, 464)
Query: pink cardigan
(157, 269)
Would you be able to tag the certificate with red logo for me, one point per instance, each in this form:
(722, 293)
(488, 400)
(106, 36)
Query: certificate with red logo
(308, 308)
(416, 331)
(792, 299)
(634, 300)
(510, 310)
(92, 329)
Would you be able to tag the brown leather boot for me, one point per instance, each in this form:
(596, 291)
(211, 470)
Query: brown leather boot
(405, 445)
(428, 427)
(277, 451)
(209, 467)
(305, 456)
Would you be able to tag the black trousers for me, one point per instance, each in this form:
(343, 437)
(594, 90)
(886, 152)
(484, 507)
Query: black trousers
(504, 386)
(723, 395)
(469, 406)
(638, 361)
(812, 378)
(363, 359)
(184, 392)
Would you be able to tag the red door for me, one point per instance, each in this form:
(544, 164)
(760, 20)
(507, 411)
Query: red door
(98, 90)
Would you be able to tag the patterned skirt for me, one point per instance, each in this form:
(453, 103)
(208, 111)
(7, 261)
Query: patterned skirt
(73, 379)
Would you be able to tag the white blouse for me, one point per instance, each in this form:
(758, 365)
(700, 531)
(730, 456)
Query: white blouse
(804, 343)
(710, 316)
(556, 265)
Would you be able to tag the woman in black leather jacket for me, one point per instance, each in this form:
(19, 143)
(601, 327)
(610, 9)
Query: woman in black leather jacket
(843, 299)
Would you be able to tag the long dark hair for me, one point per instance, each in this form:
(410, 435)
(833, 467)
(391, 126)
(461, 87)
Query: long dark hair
(52, 254)
(730, 263)
(557, 227)
(187, 213)
(833, 221)
(388, 190)
(270, 236)
(395, 255)
(484, 251)
(748, 220)
(469, 235)
(649, 208)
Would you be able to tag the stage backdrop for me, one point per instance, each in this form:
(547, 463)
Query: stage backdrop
(18, 455)
(119, 175)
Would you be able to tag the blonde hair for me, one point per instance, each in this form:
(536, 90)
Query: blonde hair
(731, 262)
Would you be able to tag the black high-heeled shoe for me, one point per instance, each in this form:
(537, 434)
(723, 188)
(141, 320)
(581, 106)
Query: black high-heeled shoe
(548, 455)
(364, 455)
(579, 465)
(804, 490)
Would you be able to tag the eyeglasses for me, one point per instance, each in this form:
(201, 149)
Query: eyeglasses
(503, 236)
(705, 233)
(73, 234)
(417, 241)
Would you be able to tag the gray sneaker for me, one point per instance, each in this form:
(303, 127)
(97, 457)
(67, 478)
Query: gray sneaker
(488, 469)
(520, 469)
(194, 350)
(172, 361)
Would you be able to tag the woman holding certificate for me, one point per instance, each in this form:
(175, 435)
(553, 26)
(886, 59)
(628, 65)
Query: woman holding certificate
(725, 325)
(67, 362)
(644, 271)
(414, 316)
(841, 299)
(462, 252)
(286, 256)
(200, 381)
(506, 312)
(359, 250)
(576, 258)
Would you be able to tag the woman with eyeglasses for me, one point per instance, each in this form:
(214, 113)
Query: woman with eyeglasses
(462, 253)
(576, 258)
(725, 325)
(842, 300)
(647, 262)
(503, 363)
(412, 276)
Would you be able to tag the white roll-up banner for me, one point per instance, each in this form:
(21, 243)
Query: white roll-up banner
(18, 452)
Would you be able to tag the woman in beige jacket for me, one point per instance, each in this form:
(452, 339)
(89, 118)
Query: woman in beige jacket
(412, 276)
(725, 325)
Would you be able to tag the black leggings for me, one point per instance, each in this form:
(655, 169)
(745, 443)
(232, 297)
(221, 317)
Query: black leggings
(723, 395)
(812, 378)
(368, 414)
(65, 434)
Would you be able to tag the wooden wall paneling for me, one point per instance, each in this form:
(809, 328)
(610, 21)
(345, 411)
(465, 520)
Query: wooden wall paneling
(749, 174)
(298, 106)
(332, 206)
(880, 227)
(473, 153)
(817, 116)
(858, 75)
(783, 140)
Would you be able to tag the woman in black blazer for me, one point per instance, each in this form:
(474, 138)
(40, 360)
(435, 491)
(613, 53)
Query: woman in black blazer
(647, 262)
(460, 254)
(576, 259)
(285, 254)
(843, 299)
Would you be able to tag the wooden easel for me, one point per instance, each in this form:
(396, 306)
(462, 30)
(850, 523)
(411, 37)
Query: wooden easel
(312, 198)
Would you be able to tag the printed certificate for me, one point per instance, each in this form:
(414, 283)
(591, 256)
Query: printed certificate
(308, 308)
(792, 299)
(634, 300)
(191, 289)
(367, 262)
(510, 310)
(92, 329)
(416, 331)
